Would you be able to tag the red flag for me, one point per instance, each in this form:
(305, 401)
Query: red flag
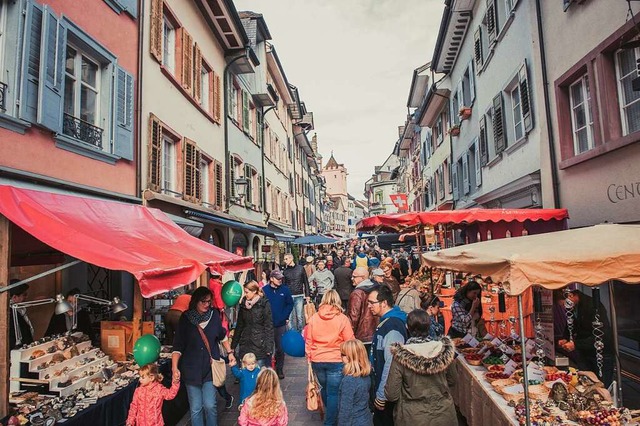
(400, 201)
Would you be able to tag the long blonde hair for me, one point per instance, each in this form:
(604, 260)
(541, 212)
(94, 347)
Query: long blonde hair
(266, 400)
(357, 363)
(332, 298)
(254, 286)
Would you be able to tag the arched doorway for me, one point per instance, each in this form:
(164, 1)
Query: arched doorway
(256, 248)
(217, 239)
(239, 244)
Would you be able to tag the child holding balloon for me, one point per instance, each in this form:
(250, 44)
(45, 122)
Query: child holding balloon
(146, 407)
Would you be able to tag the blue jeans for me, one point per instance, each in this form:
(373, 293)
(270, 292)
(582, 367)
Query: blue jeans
(329, 376)
(296, 319)
(264, 362)
(202, 404)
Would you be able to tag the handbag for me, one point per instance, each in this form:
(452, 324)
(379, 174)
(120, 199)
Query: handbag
(314, 399)
(218, 366)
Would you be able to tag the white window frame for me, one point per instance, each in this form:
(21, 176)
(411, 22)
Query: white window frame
(168, 44)
(168, 165)
(204, 180)
(509, 5)
(516, 113)
(3, 32)
(586, 102)
(619, 77)
(79, 84)
(204, 88)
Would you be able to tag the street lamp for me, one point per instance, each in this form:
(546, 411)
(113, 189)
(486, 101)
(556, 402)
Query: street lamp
(241, 185)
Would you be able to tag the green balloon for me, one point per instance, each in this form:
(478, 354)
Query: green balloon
(231, 293)
(146, 349)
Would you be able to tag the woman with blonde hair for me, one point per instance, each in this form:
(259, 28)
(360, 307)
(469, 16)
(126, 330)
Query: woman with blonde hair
(353, 408)
(326, 331)
(266, 406)
(254, 329)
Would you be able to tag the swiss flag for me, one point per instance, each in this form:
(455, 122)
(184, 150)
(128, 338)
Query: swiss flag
(400, 201)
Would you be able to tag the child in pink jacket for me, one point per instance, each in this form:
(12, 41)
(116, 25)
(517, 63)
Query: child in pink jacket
(146, 407)
(265, 407)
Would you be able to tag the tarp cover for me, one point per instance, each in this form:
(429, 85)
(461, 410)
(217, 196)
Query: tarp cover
(397, 222)
(590, 256)
(314, 239)
(117, 236)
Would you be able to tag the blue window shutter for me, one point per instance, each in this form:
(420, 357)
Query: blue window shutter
(54, 41)
(31, 63)
(123, 108)
(131, 6)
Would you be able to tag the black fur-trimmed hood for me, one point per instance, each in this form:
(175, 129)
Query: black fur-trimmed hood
(425, 358)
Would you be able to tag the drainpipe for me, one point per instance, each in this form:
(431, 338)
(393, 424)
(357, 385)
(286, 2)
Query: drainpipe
(264, 180)
(226, 127)
(138, 145)
(555, 183)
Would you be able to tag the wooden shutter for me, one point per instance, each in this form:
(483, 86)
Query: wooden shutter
(477, 48)
(218, 183)
(484, 151)
(498, 124)
(454, 181)
(492, 21)
(54, 44)
(123, 111)
(155, 154)
(472, 83)
(156, 32)
(465, 173)
(191, 171)
(197, 180)
(260, 193)
(197, 72)
(245, 111)
(187, 60)
(217, 96)
(461, 100)
(232, 176)
(31, 63)
(525, 98)
(478, 163)
(247, 175)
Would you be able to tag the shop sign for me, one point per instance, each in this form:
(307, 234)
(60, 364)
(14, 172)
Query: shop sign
(266, 248)
(617, 193)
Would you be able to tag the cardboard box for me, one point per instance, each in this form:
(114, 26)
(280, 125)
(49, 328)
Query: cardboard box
(116, 337)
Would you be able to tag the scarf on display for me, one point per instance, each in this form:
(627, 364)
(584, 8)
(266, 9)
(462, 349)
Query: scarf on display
(249, 303)
(196, 318)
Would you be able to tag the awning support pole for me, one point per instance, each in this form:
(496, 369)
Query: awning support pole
(525, 375)
(43, 274)
(616, 347)
(5, 260)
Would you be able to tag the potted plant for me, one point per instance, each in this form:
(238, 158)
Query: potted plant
(454, 130)
(464, 113)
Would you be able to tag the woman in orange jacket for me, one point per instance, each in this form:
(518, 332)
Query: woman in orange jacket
(326, 331)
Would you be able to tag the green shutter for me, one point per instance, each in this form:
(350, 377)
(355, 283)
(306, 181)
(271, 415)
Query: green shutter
(51, 89)
(123, 112)
(31, 63)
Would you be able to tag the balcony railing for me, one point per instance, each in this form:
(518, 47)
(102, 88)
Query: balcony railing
(81, 130)
(3, 97)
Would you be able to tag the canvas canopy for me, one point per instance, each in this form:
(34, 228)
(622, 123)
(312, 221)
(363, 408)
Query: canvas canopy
(117, 236)
(314, 239)
(415, 220)
(590, 256)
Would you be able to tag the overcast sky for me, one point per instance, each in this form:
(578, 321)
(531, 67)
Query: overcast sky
(352, 61)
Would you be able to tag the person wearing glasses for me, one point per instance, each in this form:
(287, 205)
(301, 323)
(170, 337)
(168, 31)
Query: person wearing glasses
(392, 329)
(362, 320)
(190, 360)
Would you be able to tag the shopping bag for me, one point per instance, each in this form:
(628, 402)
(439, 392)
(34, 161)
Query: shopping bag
(314, 400)
(309, 310)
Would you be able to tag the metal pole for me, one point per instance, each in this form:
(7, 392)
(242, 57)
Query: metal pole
(525, 375)
(43, 274)
(616, 347)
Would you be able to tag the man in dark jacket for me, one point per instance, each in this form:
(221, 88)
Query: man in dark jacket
(344, 287)
(392, 329)
(281, 306)
(18, 295)
(62, 323)
(362, 320)
(583, 341)
(296, 279)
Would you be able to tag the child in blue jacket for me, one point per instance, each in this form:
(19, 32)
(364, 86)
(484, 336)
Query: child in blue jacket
(247, 375)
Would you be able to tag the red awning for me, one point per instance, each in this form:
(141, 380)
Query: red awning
(117, 236)
(410, 221)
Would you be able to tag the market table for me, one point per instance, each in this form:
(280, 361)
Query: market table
(476, 399)
(110, 410)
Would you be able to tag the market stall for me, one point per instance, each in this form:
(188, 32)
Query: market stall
(66, 373)
(590, 256)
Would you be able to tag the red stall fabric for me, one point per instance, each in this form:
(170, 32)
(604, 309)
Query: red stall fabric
(117, 236)
(409, 221)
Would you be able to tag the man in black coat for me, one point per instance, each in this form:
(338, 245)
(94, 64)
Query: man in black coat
(295, 277)
(344, 286)
(18, 295)
(583, 341)
(62, 323)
